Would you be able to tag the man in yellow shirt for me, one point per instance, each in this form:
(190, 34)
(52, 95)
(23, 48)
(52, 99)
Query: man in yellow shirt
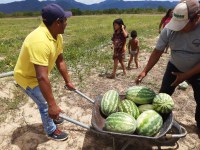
(41, 49)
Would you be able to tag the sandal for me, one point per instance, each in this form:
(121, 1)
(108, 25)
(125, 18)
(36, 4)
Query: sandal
(111, 76)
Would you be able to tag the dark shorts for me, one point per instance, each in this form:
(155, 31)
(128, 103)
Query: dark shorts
(119, 56)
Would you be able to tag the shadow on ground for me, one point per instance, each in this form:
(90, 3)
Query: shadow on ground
(95, 141)
(29, 137)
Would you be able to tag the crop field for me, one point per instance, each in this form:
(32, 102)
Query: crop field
(83, 38)
(88, 54)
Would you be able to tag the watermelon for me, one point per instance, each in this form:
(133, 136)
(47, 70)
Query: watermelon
(183, 85)
(140, 94)
(109, 102)
(163, 103)
(120, 122)
(145, 107)
(129, 107)
(149, 123)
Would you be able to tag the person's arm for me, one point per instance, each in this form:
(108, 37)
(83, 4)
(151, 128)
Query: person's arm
(45, 87)
(124, 31)
(155, 56)
(129, 46)
(112, 39)
(62, 67)
(112, 46)
(180, 77)
(138, 48)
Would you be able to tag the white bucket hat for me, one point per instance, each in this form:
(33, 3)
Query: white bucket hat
(182, 14)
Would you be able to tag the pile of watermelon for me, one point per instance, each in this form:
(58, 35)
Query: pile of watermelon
(139, 113)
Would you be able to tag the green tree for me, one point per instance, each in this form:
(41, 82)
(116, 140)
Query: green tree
(161, 9)
(76, 11)
(2, 15)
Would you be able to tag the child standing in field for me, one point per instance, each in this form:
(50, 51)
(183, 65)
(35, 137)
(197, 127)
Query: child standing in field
(119, 45)
(133, 48)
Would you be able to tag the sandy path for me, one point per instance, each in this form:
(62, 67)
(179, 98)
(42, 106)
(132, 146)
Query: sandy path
(22, 128)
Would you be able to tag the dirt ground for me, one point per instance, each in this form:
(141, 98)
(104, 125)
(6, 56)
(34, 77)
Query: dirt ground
(22, 128)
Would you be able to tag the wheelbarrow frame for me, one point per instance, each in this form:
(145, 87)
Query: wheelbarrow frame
(163, 138)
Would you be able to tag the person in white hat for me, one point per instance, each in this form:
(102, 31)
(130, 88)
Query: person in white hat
(182, 34)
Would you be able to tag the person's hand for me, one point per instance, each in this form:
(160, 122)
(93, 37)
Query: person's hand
(54, 111)
(179, 78)
(70, 86)
(122, 27)
(140, 77)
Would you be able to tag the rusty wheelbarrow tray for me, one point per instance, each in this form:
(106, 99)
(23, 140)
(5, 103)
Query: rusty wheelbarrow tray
(98, 120)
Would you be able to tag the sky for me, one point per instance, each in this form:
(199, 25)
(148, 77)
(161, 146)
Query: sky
(82, 1)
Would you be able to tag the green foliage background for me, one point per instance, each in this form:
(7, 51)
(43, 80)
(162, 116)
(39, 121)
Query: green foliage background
(87, 39)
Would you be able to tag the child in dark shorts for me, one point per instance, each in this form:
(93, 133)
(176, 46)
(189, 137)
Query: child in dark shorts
(133, 48)
(119, 45)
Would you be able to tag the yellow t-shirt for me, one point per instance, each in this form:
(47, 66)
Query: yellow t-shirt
(38, 48)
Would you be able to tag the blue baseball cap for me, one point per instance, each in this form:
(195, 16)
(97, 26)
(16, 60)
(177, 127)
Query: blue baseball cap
(52, 12)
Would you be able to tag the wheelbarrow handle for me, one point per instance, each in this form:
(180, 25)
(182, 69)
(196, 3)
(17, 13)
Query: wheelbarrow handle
(81, 94)
(6, 74)
(182, 130)
(65, 117)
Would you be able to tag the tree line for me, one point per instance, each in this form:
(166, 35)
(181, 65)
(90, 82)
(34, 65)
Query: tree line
(78, 12)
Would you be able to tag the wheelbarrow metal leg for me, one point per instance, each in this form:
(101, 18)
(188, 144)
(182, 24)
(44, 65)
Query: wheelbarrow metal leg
(113, 143)
(6, 74)
(126, 145)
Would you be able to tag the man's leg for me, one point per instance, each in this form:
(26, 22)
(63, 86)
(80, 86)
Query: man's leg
(38, 98)
(195, 82)
(168, 79)
(49, 125)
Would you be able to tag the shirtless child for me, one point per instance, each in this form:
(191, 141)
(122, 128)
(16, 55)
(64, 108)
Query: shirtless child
(133, 48)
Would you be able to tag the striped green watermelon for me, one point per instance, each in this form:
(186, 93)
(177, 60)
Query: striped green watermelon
(109, 102)
(163, 103)
(120, 122)
(140, 94)
(145, 107)
(149, 123)
(129, 107)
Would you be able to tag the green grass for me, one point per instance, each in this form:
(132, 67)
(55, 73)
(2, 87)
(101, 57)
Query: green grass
(84, 39)
(87, 42)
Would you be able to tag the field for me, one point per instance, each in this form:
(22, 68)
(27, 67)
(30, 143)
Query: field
(89, 58)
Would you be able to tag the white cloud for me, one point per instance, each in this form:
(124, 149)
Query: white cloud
(82, 1)
(9, 1)
(98, 1)
(90, 1)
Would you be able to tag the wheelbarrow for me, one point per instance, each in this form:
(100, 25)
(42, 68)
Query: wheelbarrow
(164, 137)
(170, 132)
